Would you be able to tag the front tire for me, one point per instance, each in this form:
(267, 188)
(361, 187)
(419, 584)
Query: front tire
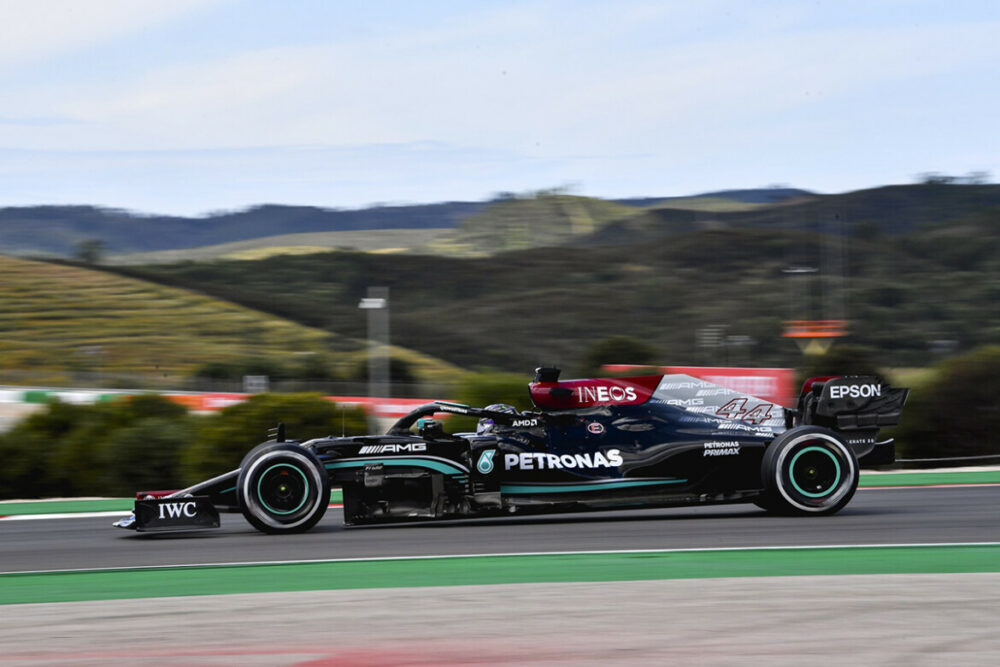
(808, 470)
(282, 488)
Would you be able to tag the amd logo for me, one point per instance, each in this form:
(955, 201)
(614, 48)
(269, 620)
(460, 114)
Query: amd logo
(178, 510)
(525, 422)
(855, 391)
(393, 449)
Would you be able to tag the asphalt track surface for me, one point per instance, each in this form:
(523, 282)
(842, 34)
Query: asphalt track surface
(927, 515)
(897, 620)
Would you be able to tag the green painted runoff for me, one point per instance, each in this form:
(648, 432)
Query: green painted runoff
(465, 570)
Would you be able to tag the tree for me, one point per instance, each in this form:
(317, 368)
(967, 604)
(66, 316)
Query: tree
(841, 360)
(400, 371)
(616, 350)
(956, 413)
(482, 389)
(89, 251)
(104, 449)
(227, 436)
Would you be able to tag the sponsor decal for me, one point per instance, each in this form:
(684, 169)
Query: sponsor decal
(485, 464)
(614, 394)
(739, 408)
(393, 449)
(855, 391)
(178, 510)
(634, 427)
(736, 426)
(722, 448)
(684, 385)
(596, 428)
(720, 391)
(537, 461)
(685, 402)
(753, 385)
(525, 422)
(456, 408)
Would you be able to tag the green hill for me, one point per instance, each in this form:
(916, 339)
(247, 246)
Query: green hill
(513, 222)
(57, 320)
(893, 210)
(372, 240)
(527, 222)
(915, 270)
(55, 230)
(904, 295)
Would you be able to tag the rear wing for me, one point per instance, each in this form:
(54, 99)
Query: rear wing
(849, 403)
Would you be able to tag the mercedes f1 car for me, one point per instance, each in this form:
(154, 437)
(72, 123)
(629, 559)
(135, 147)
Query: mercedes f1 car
(651, 441)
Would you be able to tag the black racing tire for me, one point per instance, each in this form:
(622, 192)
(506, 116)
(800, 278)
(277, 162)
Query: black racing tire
(282, 488)
(808, 470)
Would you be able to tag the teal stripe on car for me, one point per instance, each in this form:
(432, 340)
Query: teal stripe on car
(594, 486)
(439, 466)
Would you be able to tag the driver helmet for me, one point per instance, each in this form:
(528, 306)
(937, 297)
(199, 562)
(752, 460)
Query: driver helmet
(486, 424)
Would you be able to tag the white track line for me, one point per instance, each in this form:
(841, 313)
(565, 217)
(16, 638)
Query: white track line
(927, 486)
(78, 515)
(66, 515)
(114, 513)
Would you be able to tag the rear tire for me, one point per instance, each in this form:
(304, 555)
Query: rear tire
(808, 470)
(282, 488)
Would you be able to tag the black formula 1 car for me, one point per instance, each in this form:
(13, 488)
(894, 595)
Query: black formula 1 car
(609, 443)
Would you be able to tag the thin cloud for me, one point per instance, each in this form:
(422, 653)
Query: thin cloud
(32, 31)
(667, 96)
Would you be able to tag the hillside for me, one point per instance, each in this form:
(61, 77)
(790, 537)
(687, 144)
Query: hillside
(904, 298)
(510, 222)
(373, 240)
(893, 210)
(55, 230)
(769, 195)
(915, 269)
(527, 222)
(58, 320)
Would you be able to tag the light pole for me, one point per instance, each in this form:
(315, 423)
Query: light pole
(377, 305)
(799, 300)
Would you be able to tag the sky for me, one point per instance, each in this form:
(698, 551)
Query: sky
(193, 106)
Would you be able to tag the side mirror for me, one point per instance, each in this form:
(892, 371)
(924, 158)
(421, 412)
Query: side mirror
(430, 429)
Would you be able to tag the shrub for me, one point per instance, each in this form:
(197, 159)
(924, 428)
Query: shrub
(224, 438)
(616, 350)
(68, 450)
(482, 389)
(144, 456)
(400, 371)
(956, 413)
(841, 360)
(29, 450)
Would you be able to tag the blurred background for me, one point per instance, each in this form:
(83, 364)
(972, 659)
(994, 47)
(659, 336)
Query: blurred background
(386, 203)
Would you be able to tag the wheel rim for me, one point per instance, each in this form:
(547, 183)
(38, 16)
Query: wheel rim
(814, 472)
(283, 489)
